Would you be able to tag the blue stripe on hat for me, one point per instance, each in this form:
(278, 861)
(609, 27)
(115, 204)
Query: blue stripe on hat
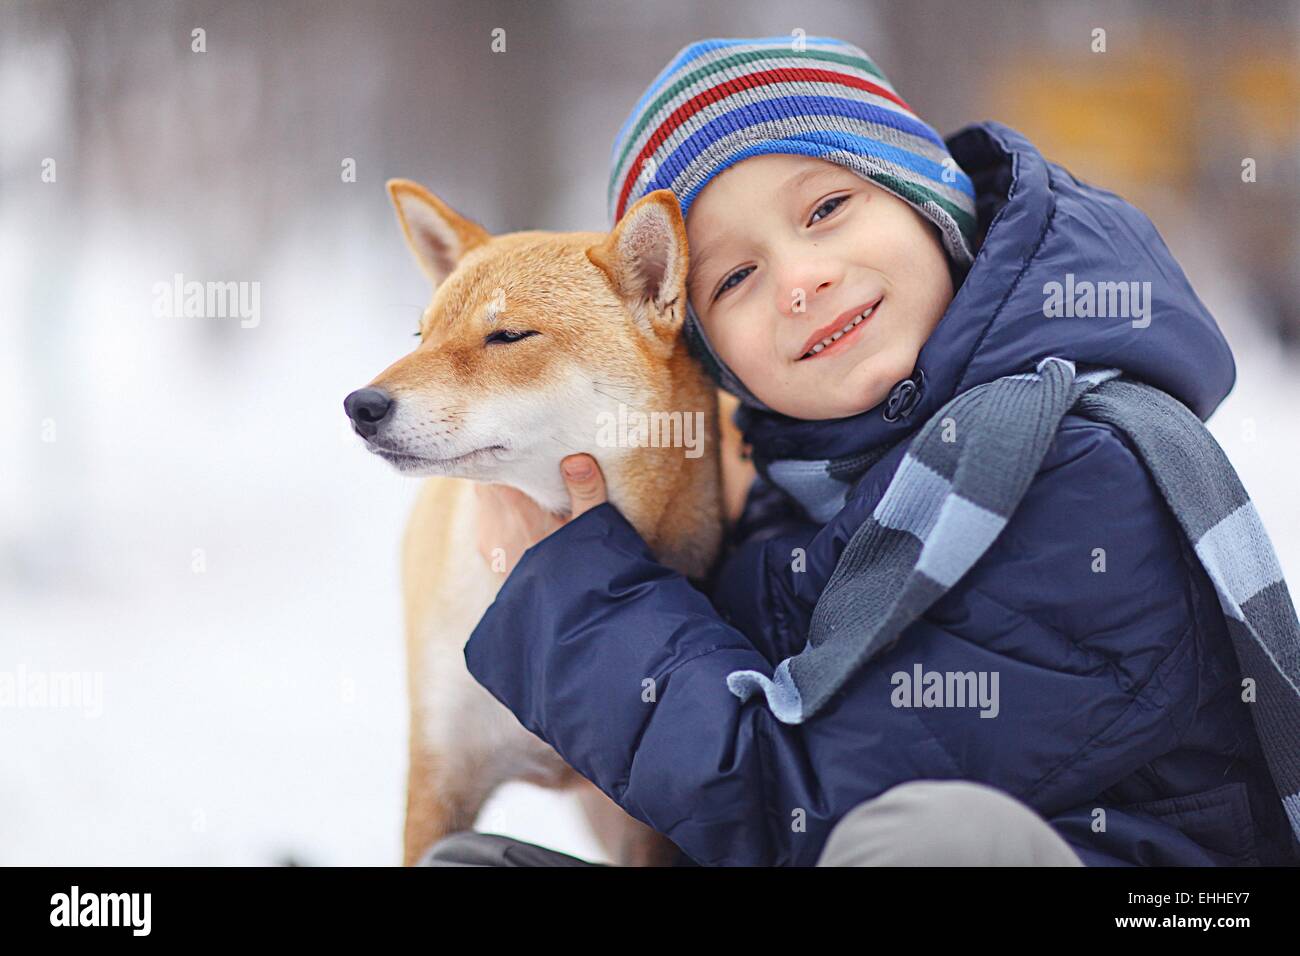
(699, 50)
(774, 110)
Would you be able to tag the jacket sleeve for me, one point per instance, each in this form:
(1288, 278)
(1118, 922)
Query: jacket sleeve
(620, 664)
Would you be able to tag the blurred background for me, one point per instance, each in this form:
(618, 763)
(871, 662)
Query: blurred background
(183, 510)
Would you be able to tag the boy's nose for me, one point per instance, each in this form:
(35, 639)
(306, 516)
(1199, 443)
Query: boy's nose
(367, 407)
(798, 300)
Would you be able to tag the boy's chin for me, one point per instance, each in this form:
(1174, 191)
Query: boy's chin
(823, 411)
(842, 404)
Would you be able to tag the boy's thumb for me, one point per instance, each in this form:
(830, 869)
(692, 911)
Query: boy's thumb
(585, 482)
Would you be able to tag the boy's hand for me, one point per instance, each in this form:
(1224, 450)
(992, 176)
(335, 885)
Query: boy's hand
(585, 483)
(509, 522)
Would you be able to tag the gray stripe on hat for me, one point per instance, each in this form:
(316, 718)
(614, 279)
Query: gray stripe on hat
(752, 96)
(706, 163)
(731, 72)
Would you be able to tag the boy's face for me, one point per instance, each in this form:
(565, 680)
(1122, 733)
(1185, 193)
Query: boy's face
(783, 246)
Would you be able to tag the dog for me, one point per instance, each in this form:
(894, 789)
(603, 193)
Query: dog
(531, 343)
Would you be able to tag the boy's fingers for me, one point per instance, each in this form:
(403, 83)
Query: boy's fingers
(585, 483)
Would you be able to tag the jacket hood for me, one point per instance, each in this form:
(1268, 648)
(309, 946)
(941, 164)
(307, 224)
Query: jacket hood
(1051, 251)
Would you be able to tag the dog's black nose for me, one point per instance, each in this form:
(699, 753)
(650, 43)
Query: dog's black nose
(367, 407)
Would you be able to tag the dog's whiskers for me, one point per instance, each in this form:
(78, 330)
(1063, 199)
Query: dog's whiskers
(606, 394)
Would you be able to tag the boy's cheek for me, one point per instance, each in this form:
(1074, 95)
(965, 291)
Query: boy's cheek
(744, 354)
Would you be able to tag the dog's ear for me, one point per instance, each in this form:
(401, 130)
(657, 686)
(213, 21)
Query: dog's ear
(437, 234)
(646, 258)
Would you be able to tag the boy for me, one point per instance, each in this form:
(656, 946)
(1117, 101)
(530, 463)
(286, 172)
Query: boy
(835, 289)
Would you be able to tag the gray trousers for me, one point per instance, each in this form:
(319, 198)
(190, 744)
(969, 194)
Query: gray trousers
(922, 823)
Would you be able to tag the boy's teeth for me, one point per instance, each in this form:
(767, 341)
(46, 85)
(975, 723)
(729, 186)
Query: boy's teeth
(825, 342)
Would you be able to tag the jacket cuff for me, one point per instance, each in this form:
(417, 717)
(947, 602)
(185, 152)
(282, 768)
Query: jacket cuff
(599, 541)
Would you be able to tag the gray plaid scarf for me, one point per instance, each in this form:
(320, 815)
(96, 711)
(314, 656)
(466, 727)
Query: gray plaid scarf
(961, 480)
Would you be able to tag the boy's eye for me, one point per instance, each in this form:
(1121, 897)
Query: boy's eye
(727, 284)
(833, 202)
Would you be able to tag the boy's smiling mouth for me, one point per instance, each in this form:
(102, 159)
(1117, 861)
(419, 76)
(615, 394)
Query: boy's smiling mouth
(831, 335)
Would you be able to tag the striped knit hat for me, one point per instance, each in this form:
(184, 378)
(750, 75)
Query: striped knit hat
(721, 101)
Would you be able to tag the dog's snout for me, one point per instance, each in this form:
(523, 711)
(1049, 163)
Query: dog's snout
(367, 407)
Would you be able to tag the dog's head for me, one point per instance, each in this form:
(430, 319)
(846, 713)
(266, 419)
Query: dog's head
(528, 340)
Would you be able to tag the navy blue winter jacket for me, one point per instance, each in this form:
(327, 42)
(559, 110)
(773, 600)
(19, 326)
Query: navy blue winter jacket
(1119, 690)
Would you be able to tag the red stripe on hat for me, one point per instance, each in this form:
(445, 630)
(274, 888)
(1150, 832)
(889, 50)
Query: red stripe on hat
(714, 93)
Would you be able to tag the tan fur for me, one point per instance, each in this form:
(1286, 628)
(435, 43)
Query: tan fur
(738, 470)
(609, 309)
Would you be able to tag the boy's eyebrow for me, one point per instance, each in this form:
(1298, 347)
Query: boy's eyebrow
(700, 261)
(800, 179)
(795, 182)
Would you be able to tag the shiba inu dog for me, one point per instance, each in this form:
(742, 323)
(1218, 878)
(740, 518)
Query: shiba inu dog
(531, 340)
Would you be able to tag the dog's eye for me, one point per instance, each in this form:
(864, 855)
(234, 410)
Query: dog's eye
(505, 335)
